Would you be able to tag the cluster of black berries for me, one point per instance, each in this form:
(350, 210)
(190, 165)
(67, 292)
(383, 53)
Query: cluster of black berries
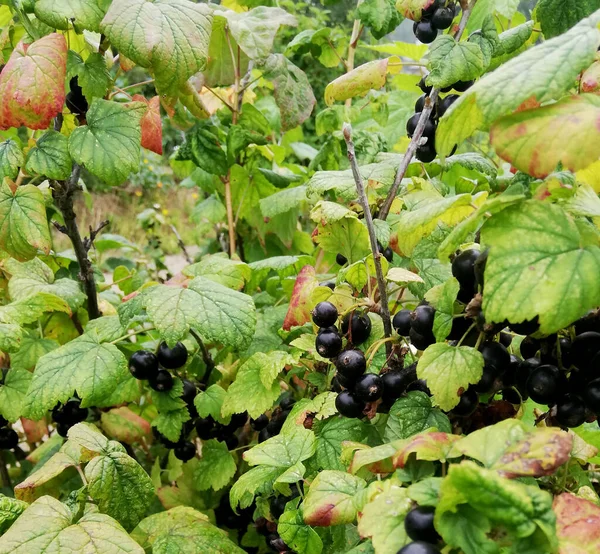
(144, 365)
(208, 428)
(226, 517)
(67, 415)
(8, 437)
(416, 324)
(270, 427)
(387, 253)
(438, 16)
(419, 527)
(75, 100)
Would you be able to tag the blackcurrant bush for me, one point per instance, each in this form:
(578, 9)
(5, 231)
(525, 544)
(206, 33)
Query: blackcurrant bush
(528, 347)
(442, 19)
(419, 547)
(351, 364)
(185, 451)
(401, 322)
(341, 259)
(8, 438)
(583, 349)
(591, 395)
(349, 405)
(357, 327)
(525, 327)
(419, 524)
(421, 342)
(463, 268)
(425, 87)
(369, 387)
(421, 319)
(462, 86)
(328, 344)
(544, 384)
(495, 354)
(143, 364)
(467, 404)
(425, 32)
(260, 422)
(189, 391)
(325, 314)
(419, 385)
(394, 384)
(570, 411)
(204, 427)
(172, 358)
(163, 381)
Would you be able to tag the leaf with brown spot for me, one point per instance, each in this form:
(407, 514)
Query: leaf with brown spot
(300, 303)
(433, 446)
(151, 124)
(577, 524)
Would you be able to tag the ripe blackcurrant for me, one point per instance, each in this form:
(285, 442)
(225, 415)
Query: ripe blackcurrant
(467, 404)
(63, 428)
(420, 103)
(462, 86)
(328, 284)
(420, 385)
(421, 342)
(3, 422)
(172, 358)
(348, 405)
(75, 100)
(341, 259)
(445, 103)
(442, 19)
(388, 254)
(463, 268)
(278, 505)
(419, 547)
(591, 395)
(526, 368)
(328, 344)
(369, 387)
(425, 87)
(425, 32)
(488, 378)
(204, 427)
(544, 384)
(143, 364)
(584, 348)
(419, 524)
(411, 124)
(8, 438)
(264, 435)
(528, 347)
(260, 422)
(185, 451)
(394, 384)
(511, 395)
(426, 153)
(480, 267)
(325, 314)
(189, 391)
(495, 354)
(163, 381)
(357, 327)
(351, 364)
(239, 420)
(430, 10)
(421, 319)
(570, 411)
(525, 327)
(401, 322)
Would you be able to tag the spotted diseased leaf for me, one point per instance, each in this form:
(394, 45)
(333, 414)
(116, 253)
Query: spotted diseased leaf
(537, 141)
(168, 37)
(11, 159)
(50, 156)
(215, 468)
(300, 302)
(359, 81)
(151, 124)
(292, 91)
(431, 446)
(12, 393)
(541, 73)
(85, 366)
(124, 425)
(449, 370)
(558, 16)
(23, 224)
(451, 61)
(577, 524)
(109, 145)
(333, 499)
(48, 523)
(32, 83)
(590, 80)
(120, 486)
(81, 14)
(537, 246)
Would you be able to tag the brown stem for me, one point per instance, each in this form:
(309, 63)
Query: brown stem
(181, 245)
(208, 361)
(418, 135)
(362, 195)
(63, 192)
(230, 221)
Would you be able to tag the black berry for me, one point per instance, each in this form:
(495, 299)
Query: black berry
(488, 378)
(356, 327)
(172, 358)
(425, 32)
(583, 349)
(480, 267)
(591, 396)
(442, 18)
(426, 153)
(259, 423)
(163, 381)
(369, 387)
(189, 391)
(463, 268)
(411, 124)
(143, 364)
(419, 385)
(467, 404)
(445, 103)
(63, 428)
(328, 284)
(528, 347)
(401, 322)
(328, 344)
(425, 87)
(351, 364)
(388, 254)
(204, 427)
(544, 384)
(495, 354)
(462, 86)
(75, 100)
(325, 314)
(570, 411)
(525, 328)
(420, 103)
(8, 438)
(421, 319)
(421, 342)
(3, 422)
(419, 524)
(394, 384)
(341, 260)
(419, 548)
(185, 451)
(348, 405)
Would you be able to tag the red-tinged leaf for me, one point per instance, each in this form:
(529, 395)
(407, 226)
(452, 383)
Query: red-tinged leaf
(34, 430)
(300, 303)
(151, 124)
(32, 84)
(413, 9)
(577, 524)
(124, 425)
(536, 141)
(590, 80)
(427, 446)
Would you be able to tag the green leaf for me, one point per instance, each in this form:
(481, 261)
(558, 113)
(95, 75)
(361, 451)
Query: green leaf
(539, 73)
(449, 370)
(23, 224)
(215, 468)
(92, 74)
(348, 237)
(220, 269)
(283, 450)
(50, 156)
(530, 140)
(451, 61)
(109, 145)
(47, 525)
(558, 16)
(11, 159)
(426, 492)
(182, 530)
(31, 308)
(258, 479)
(107, 328)
(333, 499)
(297, 535)
(124, 425)
(330, 436)
(10, 510)
(238, 140)
(31, 350)
(35, 276)
(414, 414)
(292, 91)
(220, 70)
(12, 393)
(170, 422)
(203, 148)
(216, 312)
(86, 442)
(444, 308)
(210, 402)
(537, 246)
(382, 519)
(169, 37)
(283, 202)
(11, 336)
(381, 16)
(120, 487)
(81, 14)
(85, 366)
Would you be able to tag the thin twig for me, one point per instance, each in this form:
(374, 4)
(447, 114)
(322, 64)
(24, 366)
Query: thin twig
(208, 361)
(230, 221)
(215, 93)
(418, 134)
(181, 244)
(362, 195)
(89, 241)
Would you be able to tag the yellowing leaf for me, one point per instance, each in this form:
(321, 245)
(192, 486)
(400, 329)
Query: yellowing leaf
(300, 302)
